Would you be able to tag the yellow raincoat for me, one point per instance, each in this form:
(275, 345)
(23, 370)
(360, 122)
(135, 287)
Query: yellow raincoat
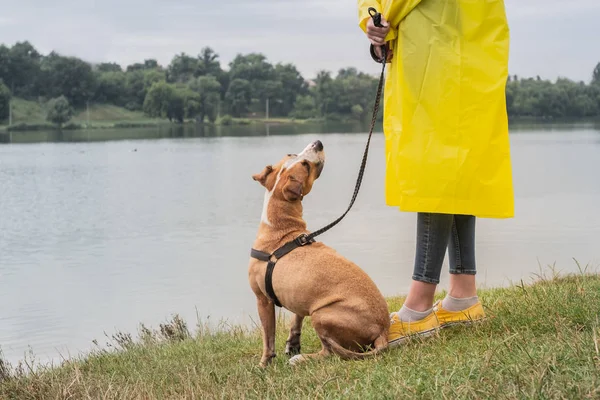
(445, 123)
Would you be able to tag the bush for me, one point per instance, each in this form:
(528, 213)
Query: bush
(357, 111)
(72, 126)
(226, 120)
(59, 111)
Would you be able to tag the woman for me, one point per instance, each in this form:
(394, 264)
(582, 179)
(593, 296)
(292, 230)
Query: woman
(446, 142)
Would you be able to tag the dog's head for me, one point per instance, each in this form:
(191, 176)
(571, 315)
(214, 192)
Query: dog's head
(292, 177)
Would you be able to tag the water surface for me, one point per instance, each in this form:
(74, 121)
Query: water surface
(98, 236)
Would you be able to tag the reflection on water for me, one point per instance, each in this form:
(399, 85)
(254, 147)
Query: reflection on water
(177, 131)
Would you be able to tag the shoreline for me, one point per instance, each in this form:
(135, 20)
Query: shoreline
(540, 339)
(25, 127)
(33, 127)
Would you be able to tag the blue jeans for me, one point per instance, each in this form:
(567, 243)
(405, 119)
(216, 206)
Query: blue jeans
(437, 233)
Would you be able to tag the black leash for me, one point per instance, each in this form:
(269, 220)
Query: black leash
(305, 239)
(377, 21)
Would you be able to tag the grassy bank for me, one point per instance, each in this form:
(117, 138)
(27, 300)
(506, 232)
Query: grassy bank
(31, 116)
(32, 112)
(541, 341)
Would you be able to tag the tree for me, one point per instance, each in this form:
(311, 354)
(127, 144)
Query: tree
(151, 64)
(165, 100)
(5, 96)
(292, 86)
(138, 82)
(251, 67)
(271, 90)
(208, 89)
(176, 107)
(147, 64)
(261, 76)
(199, 86)
(351, 89)
(208, 63)
(192, 103)
(23, 69)
(152, 76)
(5, 65)
(111, 88)
(59, 111)
(347, 94)
(596, 75)
(182, 68)
(322, 93)
(238, 97)
(68, 76)
(304, 107)
(109, 67)
(135, 89)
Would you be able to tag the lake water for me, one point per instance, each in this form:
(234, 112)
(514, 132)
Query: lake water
(97, 236)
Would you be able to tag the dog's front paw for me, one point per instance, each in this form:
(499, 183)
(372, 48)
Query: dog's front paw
(297, 359)
(266, 360)
(292, 348)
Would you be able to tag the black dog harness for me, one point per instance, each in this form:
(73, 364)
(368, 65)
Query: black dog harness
(304, 239)
(272, 259)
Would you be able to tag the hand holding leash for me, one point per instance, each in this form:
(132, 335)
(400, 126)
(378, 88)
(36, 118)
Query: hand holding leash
(376, 32)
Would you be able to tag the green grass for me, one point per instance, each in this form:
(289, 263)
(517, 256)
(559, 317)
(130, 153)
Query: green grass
(541, 341)
(32, 112)
(108, 112)
(31, 116)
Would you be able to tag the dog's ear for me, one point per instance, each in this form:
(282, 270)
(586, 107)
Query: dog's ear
(262, 176)
(292, 191)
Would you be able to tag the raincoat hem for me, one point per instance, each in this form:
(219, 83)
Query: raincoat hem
(433, 206)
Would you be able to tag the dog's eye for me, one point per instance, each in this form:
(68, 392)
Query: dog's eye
(292, 155)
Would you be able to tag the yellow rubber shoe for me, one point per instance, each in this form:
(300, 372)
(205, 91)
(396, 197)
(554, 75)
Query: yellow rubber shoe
(450, 318)
(400, 331)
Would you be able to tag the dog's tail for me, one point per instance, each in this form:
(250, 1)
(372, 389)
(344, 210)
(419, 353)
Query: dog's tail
(381, 344)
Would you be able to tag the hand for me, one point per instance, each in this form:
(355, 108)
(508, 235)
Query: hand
(389, 52)
(375, 34)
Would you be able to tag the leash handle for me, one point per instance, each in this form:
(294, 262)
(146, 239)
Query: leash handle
(376, 16)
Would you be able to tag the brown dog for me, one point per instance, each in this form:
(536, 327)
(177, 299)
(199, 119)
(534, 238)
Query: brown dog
(347, 310)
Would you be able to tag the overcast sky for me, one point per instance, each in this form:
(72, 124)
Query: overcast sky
(549, 38)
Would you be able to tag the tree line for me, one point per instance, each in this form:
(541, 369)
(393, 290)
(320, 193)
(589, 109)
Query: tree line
(197, 87)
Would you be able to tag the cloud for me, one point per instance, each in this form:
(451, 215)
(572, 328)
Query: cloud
(4, 21)
(544, 9)
(550, 38)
